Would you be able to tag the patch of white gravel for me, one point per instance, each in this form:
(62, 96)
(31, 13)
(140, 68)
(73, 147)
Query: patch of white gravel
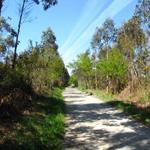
(92, 124)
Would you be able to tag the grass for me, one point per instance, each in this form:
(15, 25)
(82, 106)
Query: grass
(99, 93)
(39, 129)
(136, 112)
(145, 98)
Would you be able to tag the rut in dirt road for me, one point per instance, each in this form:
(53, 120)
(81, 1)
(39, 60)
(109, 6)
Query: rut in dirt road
(94, 125)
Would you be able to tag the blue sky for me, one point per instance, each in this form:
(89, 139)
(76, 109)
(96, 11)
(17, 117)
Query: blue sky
(73, 22)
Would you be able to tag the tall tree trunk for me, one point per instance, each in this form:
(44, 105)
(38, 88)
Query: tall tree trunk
(95, 73)
(96, 85)
(1, 6)
(18, 32)
(108, 82)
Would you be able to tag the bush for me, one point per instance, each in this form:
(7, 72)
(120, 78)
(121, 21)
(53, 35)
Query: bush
(12, 79)
(15, 93)
(73, 81)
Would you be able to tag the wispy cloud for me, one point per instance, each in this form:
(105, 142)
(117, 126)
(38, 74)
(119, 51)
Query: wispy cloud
(90, 11)
(81, 40)
(82, 21)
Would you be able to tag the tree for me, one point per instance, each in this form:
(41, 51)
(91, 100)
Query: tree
(46, 3)
(7, 38)
(43, 65)
(116, 69)
(49, 39)
(97, 44)
(82, 68)
(131, 40)
(142, 11)
(102, 40)
(109, 34)
(73, 80)
(1, 6)
(142, 63)
(24, 11)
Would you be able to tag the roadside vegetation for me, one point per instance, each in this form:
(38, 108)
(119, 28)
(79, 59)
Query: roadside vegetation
(137, 112)
(117, 65)
(31, 85)
(41, 126)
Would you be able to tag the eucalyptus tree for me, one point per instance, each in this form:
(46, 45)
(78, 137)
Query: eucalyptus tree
(130, 40)
(97, 44)
(143, 12)
(109, 34)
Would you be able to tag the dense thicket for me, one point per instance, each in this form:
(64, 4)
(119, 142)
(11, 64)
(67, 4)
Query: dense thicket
(38, 69)
(119, 61)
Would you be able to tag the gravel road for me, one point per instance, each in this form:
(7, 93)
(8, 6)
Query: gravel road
(92, 124)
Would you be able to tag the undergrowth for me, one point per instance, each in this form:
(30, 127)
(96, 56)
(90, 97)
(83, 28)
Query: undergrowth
(42, 127)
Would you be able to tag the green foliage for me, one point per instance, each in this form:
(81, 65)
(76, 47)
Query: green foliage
(136, 112)
(7, 36)
(73, 80)
(131, 37)
(84, 65)
(115, 67)
(13, 79)
(82, 69)
(133, 110)
(57, 93)
(104, 35)
(146, 98)
(32, 121)
(42, 128)
(29, 94)
(102, 94)
(120, 57)
(43, 65)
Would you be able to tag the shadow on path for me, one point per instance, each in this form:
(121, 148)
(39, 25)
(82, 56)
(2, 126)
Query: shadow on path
(92, 125)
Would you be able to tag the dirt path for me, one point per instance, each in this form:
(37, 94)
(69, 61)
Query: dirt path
(93, 125)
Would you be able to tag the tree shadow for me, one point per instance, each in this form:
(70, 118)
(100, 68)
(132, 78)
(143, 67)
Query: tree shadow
(100, 126)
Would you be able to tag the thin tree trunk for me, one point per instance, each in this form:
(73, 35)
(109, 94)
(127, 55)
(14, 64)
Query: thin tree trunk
(108, 82)
(95, 79)
(1, 6)
(18, 32)
(95, 73)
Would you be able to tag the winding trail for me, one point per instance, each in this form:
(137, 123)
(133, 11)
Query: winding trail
(94, 125)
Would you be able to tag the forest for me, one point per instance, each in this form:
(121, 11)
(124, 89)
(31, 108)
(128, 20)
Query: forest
(32, 107)
(118, 60)
(31, 83)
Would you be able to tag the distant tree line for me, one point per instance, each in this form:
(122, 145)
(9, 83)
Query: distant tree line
(119, 58)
